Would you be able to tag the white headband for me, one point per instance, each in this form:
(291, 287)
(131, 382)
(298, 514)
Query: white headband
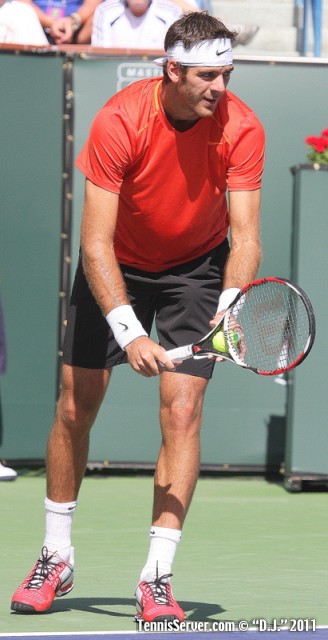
(208, 53)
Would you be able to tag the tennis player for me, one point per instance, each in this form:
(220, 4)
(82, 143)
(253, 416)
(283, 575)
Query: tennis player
(162, 156)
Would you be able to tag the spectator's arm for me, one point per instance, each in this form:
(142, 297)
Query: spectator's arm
(45, 20)
(64, 29)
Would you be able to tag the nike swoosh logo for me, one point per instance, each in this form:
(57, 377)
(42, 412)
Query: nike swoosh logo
(219, 53)
(125, 326)
(152, 532)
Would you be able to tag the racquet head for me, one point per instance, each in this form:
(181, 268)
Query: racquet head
(275, 322)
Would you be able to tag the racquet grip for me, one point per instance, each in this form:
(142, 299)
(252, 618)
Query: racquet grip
(180, 353)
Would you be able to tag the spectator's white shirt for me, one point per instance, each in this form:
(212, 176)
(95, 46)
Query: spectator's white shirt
(19, 24)
(115, 26)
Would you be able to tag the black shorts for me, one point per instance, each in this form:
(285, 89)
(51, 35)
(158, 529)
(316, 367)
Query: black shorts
(180, 303)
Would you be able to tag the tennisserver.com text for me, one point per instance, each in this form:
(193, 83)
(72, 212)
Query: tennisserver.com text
(258, 624)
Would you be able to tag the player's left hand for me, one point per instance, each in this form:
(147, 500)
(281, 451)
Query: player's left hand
(216, 319)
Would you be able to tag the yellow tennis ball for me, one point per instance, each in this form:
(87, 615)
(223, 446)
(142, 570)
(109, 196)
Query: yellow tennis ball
(219, 342)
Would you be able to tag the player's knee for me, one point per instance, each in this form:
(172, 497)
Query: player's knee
(75, 414)
(183, 419)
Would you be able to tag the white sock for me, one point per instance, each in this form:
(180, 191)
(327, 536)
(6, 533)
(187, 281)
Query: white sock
(163, 545)
(59, 518)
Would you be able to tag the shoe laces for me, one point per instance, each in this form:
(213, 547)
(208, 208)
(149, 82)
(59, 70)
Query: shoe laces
(160, 589)
(43, 568)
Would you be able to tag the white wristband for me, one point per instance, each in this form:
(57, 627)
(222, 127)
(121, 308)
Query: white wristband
(125, 325)
(226, 298)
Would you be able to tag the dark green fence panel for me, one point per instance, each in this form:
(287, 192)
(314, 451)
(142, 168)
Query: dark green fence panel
(30, 201)
(307, 432)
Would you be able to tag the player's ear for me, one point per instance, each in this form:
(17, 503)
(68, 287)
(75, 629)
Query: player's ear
(173, 70)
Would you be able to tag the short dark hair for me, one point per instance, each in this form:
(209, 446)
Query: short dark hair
(192, 28)
(195, 27)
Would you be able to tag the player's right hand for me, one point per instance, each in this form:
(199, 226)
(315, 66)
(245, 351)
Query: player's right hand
(147, 357)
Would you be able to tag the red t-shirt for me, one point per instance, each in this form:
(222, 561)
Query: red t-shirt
(172, 185)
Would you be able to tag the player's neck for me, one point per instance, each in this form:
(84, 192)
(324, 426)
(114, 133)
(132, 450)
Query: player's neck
(177, 116)
(180, 125)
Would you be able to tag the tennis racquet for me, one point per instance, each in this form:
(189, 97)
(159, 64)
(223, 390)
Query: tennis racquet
(269, 328)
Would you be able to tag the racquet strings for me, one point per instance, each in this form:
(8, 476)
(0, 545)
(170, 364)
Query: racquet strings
(275, 326)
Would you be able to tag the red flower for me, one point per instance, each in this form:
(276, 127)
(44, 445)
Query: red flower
(311, 140)
(319, 147)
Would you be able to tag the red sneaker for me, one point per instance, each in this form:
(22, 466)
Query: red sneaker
(155, 601)
(50, 577)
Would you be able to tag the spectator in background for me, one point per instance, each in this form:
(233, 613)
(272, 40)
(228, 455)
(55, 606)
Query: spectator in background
(133, 24)
(5, 472)
(20, 25)
(64, 21)
(142, 24)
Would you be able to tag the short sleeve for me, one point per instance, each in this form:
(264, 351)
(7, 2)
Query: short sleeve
(108, 152)
(245, 162)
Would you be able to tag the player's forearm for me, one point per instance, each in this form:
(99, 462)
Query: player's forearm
(243, 263)
(100, 265)
(108, 287)
(104, 276)
(245, 240)
(241, 268)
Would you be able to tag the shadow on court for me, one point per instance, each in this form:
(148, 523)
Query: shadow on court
(199, 611)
